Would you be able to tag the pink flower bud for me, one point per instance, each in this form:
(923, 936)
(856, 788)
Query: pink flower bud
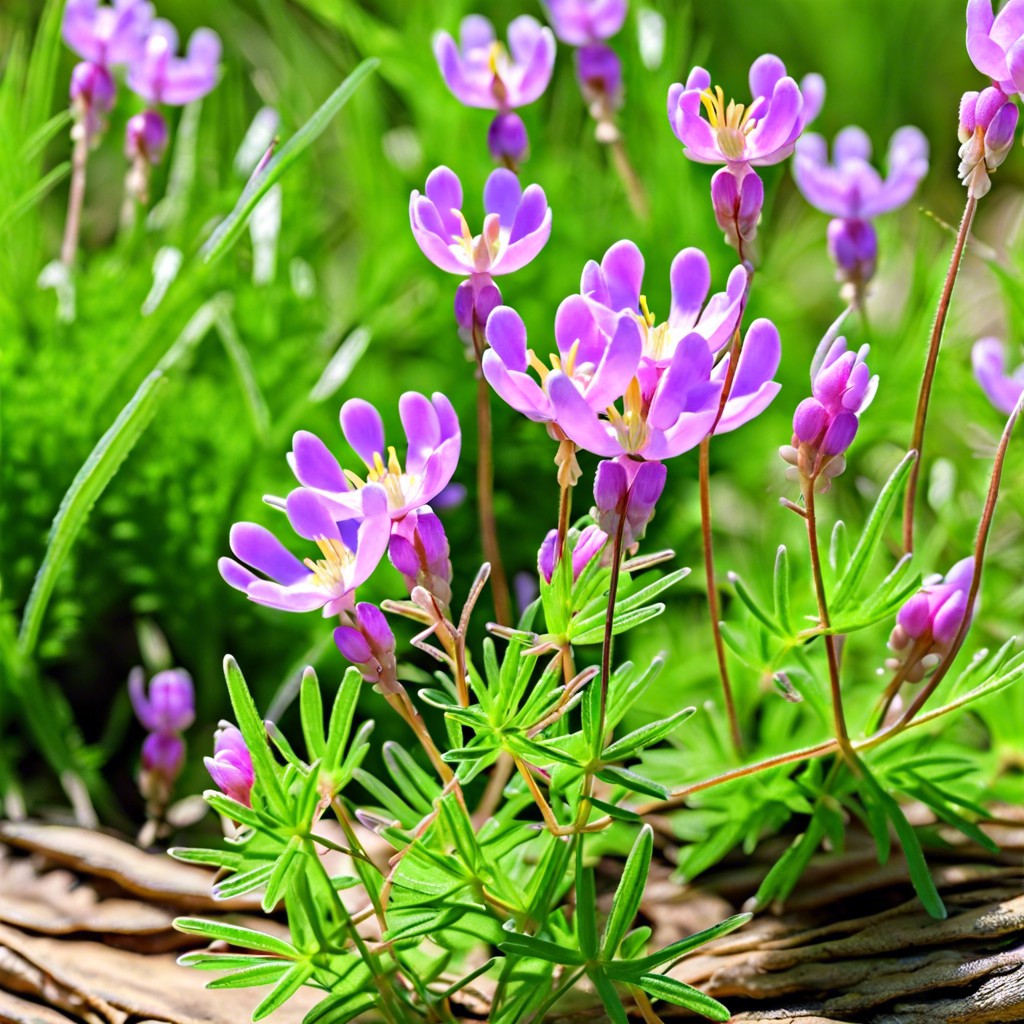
(737, 195)
(146, 137)
(507, 140)
(231, 765)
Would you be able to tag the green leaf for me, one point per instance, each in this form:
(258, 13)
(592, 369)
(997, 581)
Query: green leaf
(609, 997)
(632, 781)
(780, 584)
(229, 230)
(869, 540)
(255, 734)
(341, 719)
(615, 811)
(289, 860)
(753, 605)
(920, 876)
(678, 994)
(540, 949)
(586, 906)
(340, 1009)
(646, 736)
(311, 708)
(223, 804)
(243, 882)
(681, 947)
(215, 858)
(35, 194)
(243, 938)
(254, 975)
(628, 893)
(284, 990)
(623, 622)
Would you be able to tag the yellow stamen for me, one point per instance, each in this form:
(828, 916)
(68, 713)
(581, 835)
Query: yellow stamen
(647, 314)
(356, 481)
(731, 121)
(330, 570)
(631, 423)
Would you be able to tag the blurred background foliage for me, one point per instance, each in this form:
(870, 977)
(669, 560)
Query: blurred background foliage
(349, 278)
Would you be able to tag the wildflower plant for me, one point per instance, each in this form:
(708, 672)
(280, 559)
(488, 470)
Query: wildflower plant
(447, 843)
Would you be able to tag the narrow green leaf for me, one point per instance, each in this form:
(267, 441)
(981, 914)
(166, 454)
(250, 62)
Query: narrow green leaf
(223, 804)
(631, 780)
(215, 858)
(335, 1010)
(629, 892)
(341, 718)
(609, 997)
(243, 938)
(311, 710)
(646, 736)
(229, 230)
(781, 590)
(288, 862)
(681, 947)
(541, 949)
(284, 990)
(255, 402)
(253, 976)
(586, 906)
(37, 192)
(243, 882)
(679, 994)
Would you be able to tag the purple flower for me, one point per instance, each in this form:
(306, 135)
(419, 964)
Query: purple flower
(617, 281)
(762, 132)
(599, 354)
(434, 441)
(350, 550)
(516, 226)
(163, 757)
(145, 137)
(928, 623)
(737, 196)
(626, 491)
(579, 22)
(170, 705)
(853, 246)
(995, 43)
(369, 644)
(988, 357)
(92, 95)
(419, 551)
(160, 76)
(483, 73)
(583, 546)
(850, 187)
(988, 122)
(825, 424)
(231, 765)
(599, 72)
(106, 35)
(507, 140)
(753, 389)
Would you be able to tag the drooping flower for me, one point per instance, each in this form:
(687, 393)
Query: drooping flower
(482, 72)
(825, 425)
(507, 140)
(434, 441)
(988, 123)
(759, 133)
(146, 136)
(419, 550)
(599, 73)
(350, 552)
(169, 705)
(107, 34)
(852, 191)
(163, 757)
(626, 492)
(737, 197)
(988, 357)
(579, 22)
(92, 95)
(928, 623)
(516, 225)
(583, 546)
(600, 355)
(995, 42)
(369, 643)
(231, 765)
(160, 76)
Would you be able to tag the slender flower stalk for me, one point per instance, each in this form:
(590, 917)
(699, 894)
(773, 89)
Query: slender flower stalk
(76, 199)
(924, 396)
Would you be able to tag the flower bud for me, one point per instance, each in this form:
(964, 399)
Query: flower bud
(584, 546)
(853, 246)
(825, 425)
(369, 644)
(231, 765)
(92, 95)
(145, 137)
(507, 140)
(170, 704)
(625, 488)
(988, 122)
(737, 196)
(419, 551)
(599, 72)
(928, 623)
(474, 300)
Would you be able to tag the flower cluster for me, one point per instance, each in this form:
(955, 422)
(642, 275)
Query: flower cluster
(127, 34)
(587, 25)
(851, 191)
(165, 711)
(928, 623)
(742, 136)
(825, 425)
(988, 119)
(354, 519)
(481, 71)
